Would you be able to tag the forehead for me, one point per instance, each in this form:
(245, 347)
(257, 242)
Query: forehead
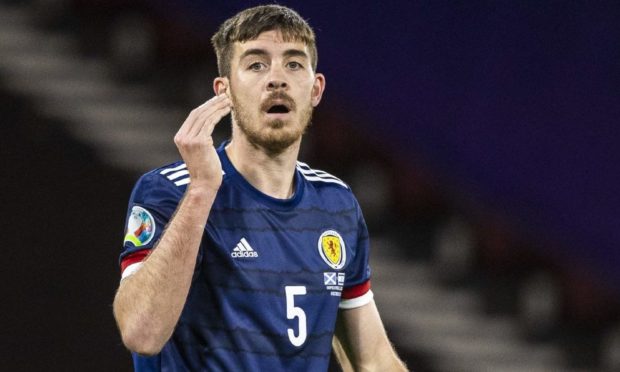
(270, 41)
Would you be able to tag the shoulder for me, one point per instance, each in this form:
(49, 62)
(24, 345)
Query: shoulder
(175, 173)
(321, 178)
(328, 187)
(164, 182)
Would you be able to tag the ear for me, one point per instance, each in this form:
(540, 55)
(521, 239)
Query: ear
(220, 85)
(317, 89)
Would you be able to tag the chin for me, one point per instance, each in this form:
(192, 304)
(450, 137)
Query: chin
(274, 135)
(276, 140)
(276, 124)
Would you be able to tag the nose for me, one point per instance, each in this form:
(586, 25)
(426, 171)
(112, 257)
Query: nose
(276, 84)
(277, 78)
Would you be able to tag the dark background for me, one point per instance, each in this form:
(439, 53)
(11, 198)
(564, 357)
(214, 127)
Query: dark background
(64, 213)
(503, 112)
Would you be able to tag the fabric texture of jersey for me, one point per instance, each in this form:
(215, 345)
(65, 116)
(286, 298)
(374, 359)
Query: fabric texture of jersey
(269, 273)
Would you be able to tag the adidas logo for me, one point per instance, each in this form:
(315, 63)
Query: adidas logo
(243, 249)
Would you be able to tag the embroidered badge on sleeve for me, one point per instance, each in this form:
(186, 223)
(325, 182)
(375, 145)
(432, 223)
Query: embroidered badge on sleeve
(140, 227)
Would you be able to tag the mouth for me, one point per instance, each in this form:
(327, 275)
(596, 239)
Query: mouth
(278, 109)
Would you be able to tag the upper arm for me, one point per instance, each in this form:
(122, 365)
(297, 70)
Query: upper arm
(151, 205)
(361, 336)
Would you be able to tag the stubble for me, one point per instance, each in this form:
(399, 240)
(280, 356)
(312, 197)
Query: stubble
(278, 135)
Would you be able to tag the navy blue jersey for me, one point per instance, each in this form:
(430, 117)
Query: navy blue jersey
(270, 274)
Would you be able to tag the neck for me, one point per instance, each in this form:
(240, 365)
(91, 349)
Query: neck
(271, 174)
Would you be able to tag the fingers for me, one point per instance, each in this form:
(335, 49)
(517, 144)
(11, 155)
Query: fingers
(201, 115)
(211, 116)
(213, 120)
(210, 102)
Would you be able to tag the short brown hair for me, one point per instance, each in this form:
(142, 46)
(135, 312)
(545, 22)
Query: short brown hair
(248, 24)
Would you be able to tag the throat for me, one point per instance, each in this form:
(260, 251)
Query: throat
(273, 183)
(272, 176)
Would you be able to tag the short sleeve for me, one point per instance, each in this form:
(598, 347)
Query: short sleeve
(151, 205)
(356, 290)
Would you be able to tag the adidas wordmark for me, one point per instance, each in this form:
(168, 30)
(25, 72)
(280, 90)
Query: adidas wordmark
(243, 249)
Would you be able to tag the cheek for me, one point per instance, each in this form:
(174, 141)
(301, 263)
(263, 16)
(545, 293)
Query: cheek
(243, 83)
(242, 96)
(249, 80)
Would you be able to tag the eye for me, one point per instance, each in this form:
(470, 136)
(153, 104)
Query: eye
(295, 65)
(256, 66)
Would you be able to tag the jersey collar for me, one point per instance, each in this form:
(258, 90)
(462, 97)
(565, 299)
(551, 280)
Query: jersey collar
(236, 178)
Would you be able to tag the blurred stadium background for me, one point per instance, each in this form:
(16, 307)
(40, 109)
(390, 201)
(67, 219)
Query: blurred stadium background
(481, 139)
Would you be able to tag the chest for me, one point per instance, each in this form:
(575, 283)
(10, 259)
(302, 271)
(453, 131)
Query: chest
(311, 247)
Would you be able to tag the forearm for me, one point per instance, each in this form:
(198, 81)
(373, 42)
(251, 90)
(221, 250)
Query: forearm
(362, 344)
(380, 357)
(148, 303)
(341, 356)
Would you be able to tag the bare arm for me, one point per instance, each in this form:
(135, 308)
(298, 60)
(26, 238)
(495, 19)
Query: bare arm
(148, 303)
(361, 344)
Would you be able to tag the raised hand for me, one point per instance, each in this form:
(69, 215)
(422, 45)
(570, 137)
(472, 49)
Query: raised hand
(195, 142)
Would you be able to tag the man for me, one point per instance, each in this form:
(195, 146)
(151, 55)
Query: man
(241, 258)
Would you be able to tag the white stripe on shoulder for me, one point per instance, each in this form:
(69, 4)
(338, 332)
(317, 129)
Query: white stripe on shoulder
(318, 175)
(323, 175)
(177, 174)
(182, 182)
(305, 169)
(319, 179)
(173, 169)
(180, 176)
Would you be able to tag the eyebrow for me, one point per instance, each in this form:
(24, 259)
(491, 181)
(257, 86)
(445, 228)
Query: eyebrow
(295, 53)
(262, 52)
(253, 52)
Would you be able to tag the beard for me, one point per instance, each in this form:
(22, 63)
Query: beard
(277, 135)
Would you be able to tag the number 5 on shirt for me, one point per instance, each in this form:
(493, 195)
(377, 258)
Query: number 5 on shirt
(293, 312)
